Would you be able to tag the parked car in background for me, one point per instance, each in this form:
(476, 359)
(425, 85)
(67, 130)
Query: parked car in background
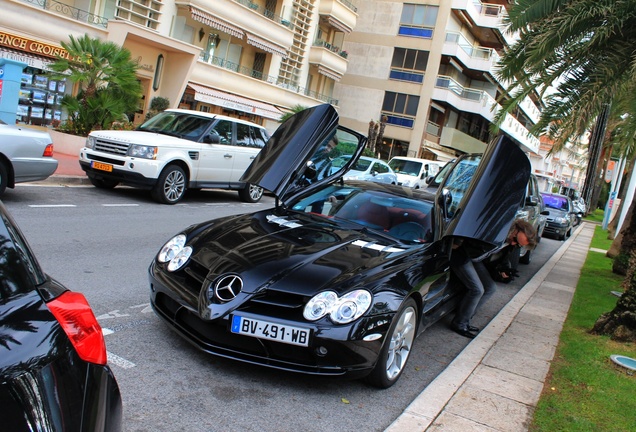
(533, 211)
(174, 151)
(580, 208)
(366, 168)
(414, 172)
(561, 217)
(25, 155)
(53, 370)
(340, 276)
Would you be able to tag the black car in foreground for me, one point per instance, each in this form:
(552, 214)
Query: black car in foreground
(53, 371)
(339, 277)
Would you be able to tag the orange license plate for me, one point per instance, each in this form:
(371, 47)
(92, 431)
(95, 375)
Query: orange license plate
(102, 166)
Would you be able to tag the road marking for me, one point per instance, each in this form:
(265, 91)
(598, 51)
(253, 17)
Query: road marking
(51, 205)
(120, 205)
(146, 307)
(107, 331)
(119, 361)
(112, 314)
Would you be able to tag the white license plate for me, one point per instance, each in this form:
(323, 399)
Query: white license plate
(267, 330)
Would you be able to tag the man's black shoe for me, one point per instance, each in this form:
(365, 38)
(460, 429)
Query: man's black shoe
(473, 329)
(466, 332)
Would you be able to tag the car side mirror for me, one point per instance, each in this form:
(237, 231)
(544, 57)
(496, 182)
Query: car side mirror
(444, 201)
(213, 138)
(532, 201)
(374, 173)
(545, 213)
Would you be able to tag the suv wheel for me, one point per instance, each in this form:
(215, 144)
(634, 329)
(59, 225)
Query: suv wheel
(170, 186)
(4, 178)
(251, 193)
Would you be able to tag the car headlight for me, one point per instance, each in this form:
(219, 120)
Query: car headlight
(341, 310)
(142, 151)
(90, 142)
(175, 253)
(560, 220)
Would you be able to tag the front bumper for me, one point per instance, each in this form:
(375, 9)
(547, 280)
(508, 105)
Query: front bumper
(555, 229)
(333, 350)
(134, 172)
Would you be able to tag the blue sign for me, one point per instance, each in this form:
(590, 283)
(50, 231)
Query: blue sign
(1, 73)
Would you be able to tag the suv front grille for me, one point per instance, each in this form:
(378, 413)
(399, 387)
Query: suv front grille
(111, 147)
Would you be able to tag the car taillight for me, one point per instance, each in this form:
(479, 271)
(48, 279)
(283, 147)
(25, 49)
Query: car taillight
(48, 151)
(80, 325)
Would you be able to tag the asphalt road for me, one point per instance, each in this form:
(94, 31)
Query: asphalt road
(101, 243)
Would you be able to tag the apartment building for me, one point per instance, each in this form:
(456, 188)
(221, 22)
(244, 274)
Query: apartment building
(428, 66)
(251, 59)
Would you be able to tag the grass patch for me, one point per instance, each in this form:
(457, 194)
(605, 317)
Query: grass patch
(596, 216)
(600, 240)
(585, 391)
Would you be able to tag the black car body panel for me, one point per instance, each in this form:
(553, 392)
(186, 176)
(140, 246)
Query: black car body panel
(44, 384)
(325, 237)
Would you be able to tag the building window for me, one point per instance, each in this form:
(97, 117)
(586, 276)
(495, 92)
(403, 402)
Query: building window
(400, 108)
(408, 65)
(143, 12)
(418, 20)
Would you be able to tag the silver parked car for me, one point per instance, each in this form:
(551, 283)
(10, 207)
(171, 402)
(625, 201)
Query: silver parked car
(25, 155)
(366, 168)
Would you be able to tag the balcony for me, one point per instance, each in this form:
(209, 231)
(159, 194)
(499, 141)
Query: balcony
(484, 16)
(70, 12)
(228, 71)
(474, 57)
(340, 14)
(244, 19)
(481, 103)
(329, 58)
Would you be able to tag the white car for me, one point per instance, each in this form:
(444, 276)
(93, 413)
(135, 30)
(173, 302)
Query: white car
(174, 151)
(25, 155)
(368, 169)
(414, 172)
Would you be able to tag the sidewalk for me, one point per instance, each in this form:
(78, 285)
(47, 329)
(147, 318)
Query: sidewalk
(494, 384)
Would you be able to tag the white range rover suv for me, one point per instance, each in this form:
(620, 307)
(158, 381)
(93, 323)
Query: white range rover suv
(174, 151)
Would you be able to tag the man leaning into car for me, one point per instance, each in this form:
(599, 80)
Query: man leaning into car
(469, 267)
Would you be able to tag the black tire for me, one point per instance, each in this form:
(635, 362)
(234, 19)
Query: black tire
(251, 193)
(397, 347)
(171, 185)
(525, 259)
(4, 178)
(103, 184)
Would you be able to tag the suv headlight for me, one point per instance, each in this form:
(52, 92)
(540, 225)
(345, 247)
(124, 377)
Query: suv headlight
(341, 310)
(142, 151)
(90, 142)
(560, 220)
(175, 253)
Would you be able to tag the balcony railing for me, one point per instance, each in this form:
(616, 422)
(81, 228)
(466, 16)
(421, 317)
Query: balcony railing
(349, 5)
(406, 75)
(235, 67)
(489, 9)
(334, 49)
(399, 119)
(70, 11)
(265, 12)
(458, 89)
(468, 48)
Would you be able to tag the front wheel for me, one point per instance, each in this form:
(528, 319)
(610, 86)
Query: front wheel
(397, 347)
(251, 193)
(170, 186)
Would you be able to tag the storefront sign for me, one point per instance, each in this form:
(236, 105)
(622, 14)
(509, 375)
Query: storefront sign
(32, 46)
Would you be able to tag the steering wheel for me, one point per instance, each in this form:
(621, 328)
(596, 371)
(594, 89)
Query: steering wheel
(408, 231)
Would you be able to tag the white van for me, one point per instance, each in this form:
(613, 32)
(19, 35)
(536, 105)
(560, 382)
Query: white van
(413, 172)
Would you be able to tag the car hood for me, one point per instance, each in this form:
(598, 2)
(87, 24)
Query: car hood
(554, 213)
(281, 166)
(136, 137)
(298, 255)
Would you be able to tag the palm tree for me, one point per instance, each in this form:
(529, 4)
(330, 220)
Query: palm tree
(293, 110)
(584, 51)
(108, 84)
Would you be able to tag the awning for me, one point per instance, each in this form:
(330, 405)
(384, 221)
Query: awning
(235, 102)
(34, 61)
(339, 25)
(266, 45)
(329, 73)
(217, 23)
(442, 156)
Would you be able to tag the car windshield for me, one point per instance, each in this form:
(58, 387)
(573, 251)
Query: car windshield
(403, 218)
(402, 166)
(555, 202)
(182, 125)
